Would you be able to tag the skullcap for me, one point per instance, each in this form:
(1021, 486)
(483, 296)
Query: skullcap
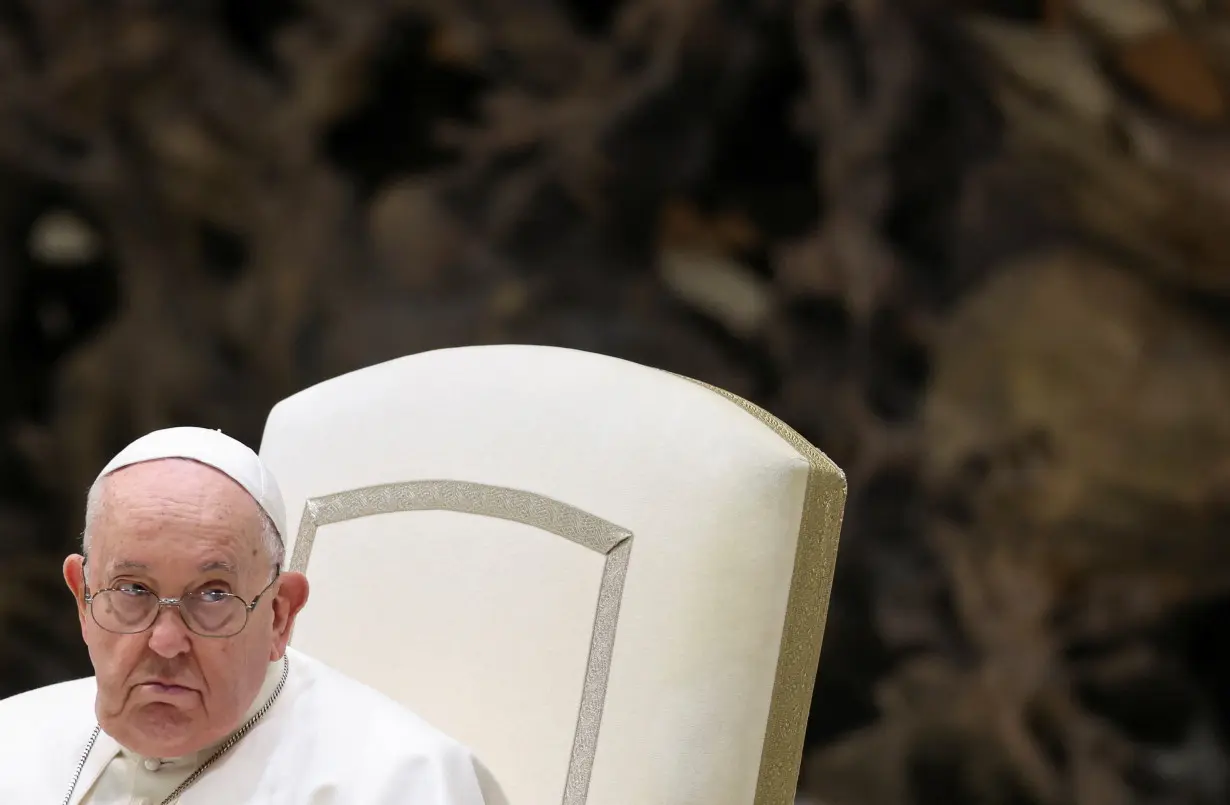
(215, 449)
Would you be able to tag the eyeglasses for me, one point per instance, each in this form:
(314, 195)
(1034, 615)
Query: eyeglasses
(131, 609)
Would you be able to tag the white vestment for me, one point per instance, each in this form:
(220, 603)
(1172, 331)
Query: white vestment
(327, 740)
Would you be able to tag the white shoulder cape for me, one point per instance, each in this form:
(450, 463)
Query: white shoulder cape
(327, 738)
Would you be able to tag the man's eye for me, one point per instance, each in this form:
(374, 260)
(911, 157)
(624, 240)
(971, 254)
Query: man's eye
(131, 589)
(212, 596)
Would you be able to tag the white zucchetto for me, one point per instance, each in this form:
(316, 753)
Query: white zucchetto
(215, 449)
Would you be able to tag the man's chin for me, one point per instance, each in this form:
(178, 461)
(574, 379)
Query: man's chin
(161, 730)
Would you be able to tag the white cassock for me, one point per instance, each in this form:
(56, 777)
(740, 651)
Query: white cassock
(327, 739)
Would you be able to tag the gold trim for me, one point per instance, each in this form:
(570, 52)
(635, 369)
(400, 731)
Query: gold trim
(806, 611)
(529, 509)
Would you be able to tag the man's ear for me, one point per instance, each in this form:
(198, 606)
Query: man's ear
(292, 595)
(74, 577)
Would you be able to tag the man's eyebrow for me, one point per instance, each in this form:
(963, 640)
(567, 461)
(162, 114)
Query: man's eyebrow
(207, 567)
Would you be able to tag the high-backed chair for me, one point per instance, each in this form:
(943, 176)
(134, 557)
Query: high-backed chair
(609, 581)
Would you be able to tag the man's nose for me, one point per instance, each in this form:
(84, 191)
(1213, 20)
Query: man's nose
(168, 637)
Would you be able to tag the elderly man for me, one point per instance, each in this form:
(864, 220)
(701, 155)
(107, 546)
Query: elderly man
(196, 696)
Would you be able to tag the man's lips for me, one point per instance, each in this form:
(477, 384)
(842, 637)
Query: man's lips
(166, 688)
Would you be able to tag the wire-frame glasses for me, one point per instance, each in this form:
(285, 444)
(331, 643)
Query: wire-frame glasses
(131, 609)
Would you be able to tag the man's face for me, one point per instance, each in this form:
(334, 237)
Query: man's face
(175, 527)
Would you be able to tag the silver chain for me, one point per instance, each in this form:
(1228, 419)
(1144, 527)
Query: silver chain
(222, 750)
(81, 764)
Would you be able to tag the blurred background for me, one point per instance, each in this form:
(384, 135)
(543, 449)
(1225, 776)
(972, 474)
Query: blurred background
(977, 251)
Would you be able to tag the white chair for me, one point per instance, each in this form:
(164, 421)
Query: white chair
(608, 581)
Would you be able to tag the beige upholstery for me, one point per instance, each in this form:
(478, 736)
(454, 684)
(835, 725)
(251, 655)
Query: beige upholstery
(608, 581)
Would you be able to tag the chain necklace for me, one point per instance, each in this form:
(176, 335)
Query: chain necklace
(222, 750)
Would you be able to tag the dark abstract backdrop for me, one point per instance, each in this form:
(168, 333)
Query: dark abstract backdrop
(975, 250)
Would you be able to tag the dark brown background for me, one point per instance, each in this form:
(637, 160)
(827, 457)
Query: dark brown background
(976, 251)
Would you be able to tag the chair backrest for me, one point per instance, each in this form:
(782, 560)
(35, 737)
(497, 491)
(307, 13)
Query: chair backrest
(607, 580)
